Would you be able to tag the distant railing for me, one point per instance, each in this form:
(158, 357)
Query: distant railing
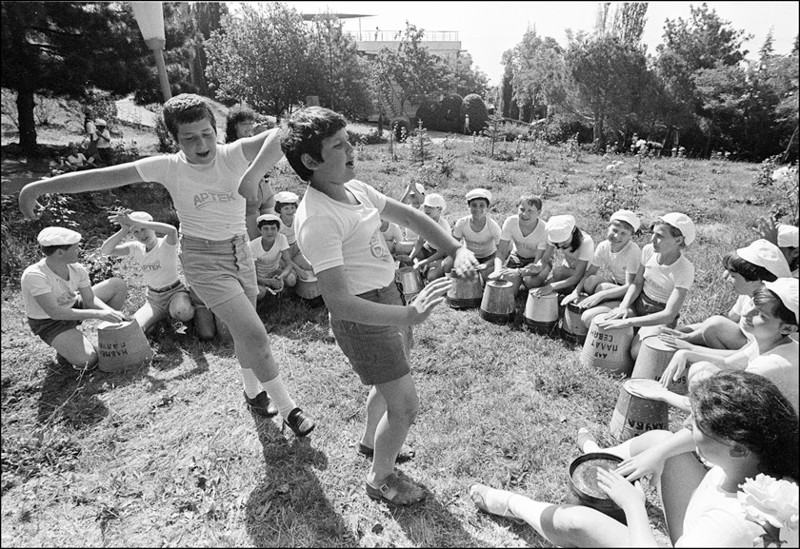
(395, 36)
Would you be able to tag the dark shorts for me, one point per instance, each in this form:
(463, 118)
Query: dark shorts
(378, 354)
(48, 329)
(644, 305)
(487, 259)
(516, 262)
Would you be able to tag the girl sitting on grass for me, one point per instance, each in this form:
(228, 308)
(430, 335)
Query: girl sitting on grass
(578, 249)
(741, 426)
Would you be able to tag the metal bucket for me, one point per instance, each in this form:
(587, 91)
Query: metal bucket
(572, 327)
(635, 414)
(541, 312)
(653, 359)
(608, 350)
(465, 293)
(409, 280)
(583, 489)
(497, 304)
(307, 289)
(121, 345)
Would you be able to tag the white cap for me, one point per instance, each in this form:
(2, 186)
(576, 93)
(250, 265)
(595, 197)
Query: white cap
(681, 222)
(559, 228)
(788, 236)
(140, 216)
(479, 193)
(628, 217)
(766, 254)
(268, 217)
(786, 289)
(287, 197)
(418, 188)
(100, 122)
(58, 236)
(435, 200)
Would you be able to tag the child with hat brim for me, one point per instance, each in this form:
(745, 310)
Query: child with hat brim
(414, 195)
(479, 232)
(786, 237)
(426, 257)
(274, 265)
(209, 185)
(166, 295)
(621, 257)
(746, 269)
(577, 247)
(665, 275)
(58, 296)
(286, 203)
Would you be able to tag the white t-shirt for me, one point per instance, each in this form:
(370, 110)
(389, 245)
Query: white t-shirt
(618, 263)
(268, 261)
(524, 246)
(206, 196)
(392, 233)
(77, 159)
(104, 143)
(780, 365)
(660, 280)
(484, 242)
(38, 279)
(744, 304)
(159, 265)
(332, 234)
(288, 231)
(715, 518)
(585, 252)
(444, 224)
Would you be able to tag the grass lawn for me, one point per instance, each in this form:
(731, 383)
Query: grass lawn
(167, 454)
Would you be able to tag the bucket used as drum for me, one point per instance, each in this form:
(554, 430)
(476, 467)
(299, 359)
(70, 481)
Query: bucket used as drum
(608, 350)
(572, 327)
(307, 289)
(583, 488)
(653, 359)
(497, 304)
(635, 414)
(409, 279)
(121, 345)
(465, 293)
(541, 312)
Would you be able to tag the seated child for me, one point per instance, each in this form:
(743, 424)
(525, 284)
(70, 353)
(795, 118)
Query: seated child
(413, 196)
(665, 275)
(58, 296)
(522, 244)
(620, 256)
(578, 249)
(786, 237)
(286, 208)
(166, 295)
(76, 160)
(392, 235)
(274, 266)
(746, 268)
(425, 256)
(479, 232)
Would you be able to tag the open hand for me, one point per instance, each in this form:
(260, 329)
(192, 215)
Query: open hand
(465, 264)
(674, 339)
(674, 369)
(621, 492)
(431, 296)
(650, 462)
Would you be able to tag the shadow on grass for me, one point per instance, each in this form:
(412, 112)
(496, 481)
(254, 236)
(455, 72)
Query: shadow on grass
(289, 508)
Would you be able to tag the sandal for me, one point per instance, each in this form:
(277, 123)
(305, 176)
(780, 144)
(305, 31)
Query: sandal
(396, 490)
(478, 494)
(299, 422)
(405, 454)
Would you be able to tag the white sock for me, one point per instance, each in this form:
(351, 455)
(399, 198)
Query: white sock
(278, 393)
(251, 384)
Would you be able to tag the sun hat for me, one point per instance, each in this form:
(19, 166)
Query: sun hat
(100, 122)
(434, 200)
(140, 216)
(287, 197)
(267, 217)
(479, 193)
(766, 254)
(58, 236)
(786, 289)
(681, 222)
(559, 228)
(628, 217)
(418, 188)
(788, 236)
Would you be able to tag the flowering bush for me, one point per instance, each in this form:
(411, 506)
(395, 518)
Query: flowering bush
(773, 504)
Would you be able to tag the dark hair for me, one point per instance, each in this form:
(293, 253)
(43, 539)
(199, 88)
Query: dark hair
(750, 410)
(236, 116)
(305, 131)
(577, 239)
(50, 250)
(279, 205)
(751, 272)
(269, 222)
(185, 109)
(673, 230)
(625, 225)
(469, 202)
(765, 296)
(531, 199)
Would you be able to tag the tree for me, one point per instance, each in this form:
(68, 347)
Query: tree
(67, 48)
(467, 80)
(538, 70)
(207, 18)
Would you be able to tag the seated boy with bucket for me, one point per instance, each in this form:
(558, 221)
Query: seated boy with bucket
(414, 195)
(577, 247)
(425, 257)
(166, 295)
(274, 266)
(286, 207)
(479, 232)
(58, 296)
(621, 256)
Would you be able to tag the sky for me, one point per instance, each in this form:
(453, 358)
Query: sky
(487, 29)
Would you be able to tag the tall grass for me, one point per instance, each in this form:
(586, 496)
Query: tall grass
(166, 454)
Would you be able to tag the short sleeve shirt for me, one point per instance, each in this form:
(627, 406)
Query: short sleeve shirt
(524, 246)
(38, 279)
(482, 243)
(159, 265)
(660, 280)
(392, 233)
(585, 252)
(620, 263)
(268, 261)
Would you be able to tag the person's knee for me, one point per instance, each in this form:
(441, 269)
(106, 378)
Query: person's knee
(591, 283)
(291, 280)
(405, 408)
(181, 309)
(572, 522)
(119, 292)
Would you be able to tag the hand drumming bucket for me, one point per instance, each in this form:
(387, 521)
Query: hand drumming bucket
(307, 289)
(121, 345)
(653, 359)
(572, 327)
(635, 414)
(465, 293)
(608, 350)
(583, 488)
(541, 312)
(497, 304)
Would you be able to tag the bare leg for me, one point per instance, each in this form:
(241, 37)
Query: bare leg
(147, 317)
(204, 325)
(402, 405)
(181, 308)
(112, 292)
(376, 408)
(76, 348)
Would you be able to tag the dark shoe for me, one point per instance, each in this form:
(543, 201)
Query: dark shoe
(396, 490)
(404, 455)
(299, 422)
(261, 405)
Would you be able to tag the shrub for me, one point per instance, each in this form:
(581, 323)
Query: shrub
(475, 108)
(370, 138)
(165, 142)
(100, 104)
